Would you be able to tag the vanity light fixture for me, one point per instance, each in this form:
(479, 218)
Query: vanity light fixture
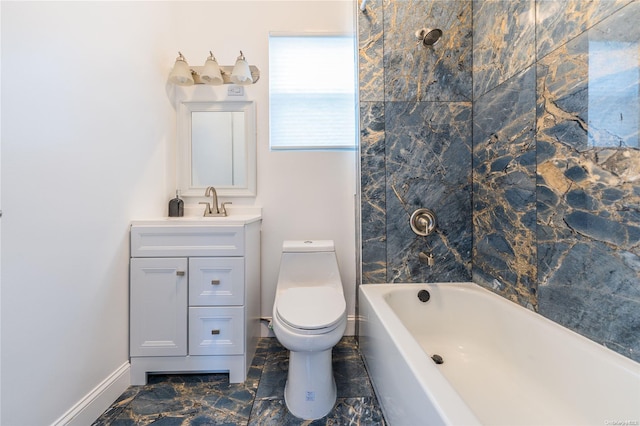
(213, 74)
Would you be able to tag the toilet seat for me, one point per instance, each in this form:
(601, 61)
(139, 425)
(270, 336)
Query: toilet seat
(311, 308)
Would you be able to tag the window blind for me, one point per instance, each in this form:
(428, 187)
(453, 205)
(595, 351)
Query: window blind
(312, 92)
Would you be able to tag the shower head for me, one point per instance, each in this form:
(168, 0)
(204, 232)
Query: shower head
(432, 37)
(428, 37)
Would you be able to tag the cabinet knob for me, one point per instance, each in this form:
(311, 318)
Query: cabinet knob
(215, 282)
(180, 273)
(215, 331)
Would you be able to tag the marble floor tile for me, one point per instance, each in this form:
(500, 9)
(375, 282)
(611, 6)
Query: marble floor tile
(347, 411)
(209, 399)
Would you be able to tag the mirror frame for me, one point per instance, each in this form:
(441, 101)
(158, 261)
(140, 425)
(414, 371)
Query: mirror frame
(184, 147)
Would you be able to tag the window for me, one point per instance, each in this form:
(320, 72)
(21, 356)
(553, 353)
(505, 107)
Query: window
(312, 92)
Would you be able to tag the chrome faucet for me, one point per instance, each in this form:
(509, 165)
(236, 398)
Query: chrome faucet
(213, 209)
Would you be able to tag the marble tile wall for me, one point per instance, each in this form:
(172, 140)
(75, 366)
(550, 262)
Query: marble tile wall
(504, 148)
(556, 191)
(555, 218)
(415, 105)
(588, 193)
(559, 21)
(504, 189)
(503, 41)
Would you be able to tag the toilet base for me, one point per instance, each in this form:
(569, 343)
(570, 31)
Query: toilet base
(310, 392)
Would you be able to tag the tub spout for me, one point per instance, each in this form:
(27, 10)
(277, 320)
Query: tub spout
(427, 258)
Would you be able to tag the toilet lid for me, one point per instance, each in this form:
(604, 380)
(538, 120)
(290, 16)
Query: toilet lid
(311, 308)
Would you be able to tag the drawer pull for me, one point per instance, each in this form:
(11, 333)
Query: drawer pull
(215, 282)
(180, 273)
(215, 331)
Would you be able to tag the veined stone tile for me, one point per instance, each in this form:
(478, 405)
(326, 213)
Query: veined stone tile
(594, 291)
(370, 52)
(503, 41)
(583, 100)
(588, 252)
(504, 187)
(588, 224)
(441, 72)
(356, 403)
(429, 165)
(563, 92)
(349, 371)
(174, 400)
(560, 21)
(373, 197)
(274, 371)
(359, 411)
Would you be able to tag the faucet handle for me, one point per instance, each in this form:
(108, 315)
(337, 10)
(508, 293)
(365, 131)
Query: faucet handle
(207, 209)
(223, 209)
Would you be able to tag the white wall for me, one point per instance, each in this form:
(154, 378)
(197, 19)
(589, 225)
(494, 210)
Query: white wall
(0, 228)
(85, 144)
(88, 143)
(304, 195)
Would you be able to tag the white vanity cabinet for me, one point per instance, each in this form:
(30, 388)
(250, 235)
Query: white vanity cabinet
(194, 297)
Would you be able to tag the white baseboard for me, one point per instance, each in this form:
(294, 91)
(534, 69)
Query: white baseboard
(265, 331)
(96, 402)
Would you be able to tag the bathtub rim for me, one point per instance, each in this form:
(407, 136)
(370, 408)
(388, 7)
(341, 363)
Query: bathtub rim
(633, 367)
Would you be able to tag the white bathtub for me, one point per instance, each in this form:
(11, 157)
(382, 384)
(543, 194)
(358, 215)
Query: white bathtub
(503, 364)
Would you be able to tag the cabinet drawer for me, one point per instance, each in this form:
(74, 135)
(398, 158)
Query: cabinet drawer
(174, 241)
(216, 331)
(216, 281)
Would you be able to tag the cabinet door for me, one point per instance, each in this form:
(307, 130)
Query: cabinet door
(158, 307)
(216, 281)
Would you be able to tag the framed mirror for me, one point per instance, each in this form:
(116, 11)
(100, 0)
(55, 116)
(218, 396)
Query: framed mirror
(217, 147)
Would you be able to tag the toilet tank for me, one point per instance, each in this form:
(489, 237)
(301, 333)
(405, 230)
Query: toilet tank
(306, 246)
(308, 263)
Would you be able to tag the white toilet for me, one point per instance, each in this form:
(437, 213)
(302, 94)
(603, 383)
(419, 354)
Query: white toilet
(309, 318)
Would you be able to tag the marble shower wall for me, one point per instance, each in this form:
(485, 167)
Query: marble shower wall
(415, 105)
(504, 190)
(589, 181)
(504, 149)
(543, 139)
(556, 175)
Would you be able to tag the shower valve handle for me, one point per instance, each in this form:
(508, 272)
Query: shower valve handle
(423, 222)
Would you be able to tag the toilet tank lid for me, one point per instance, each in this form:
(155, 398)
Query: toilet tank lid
(307, 246)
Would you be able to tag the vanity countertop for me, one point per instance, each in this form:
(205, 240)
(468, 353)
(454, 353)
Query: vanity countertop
(237, 216)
